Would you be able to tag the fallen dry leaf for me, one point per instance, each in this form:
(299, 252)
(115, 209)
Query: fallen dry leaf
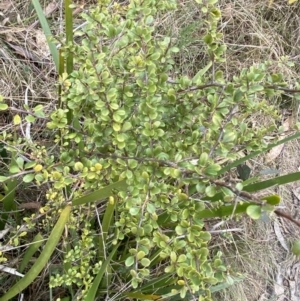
(274, 153)
(41, 43)
(51, 7)
(24, 52)
(287, 123)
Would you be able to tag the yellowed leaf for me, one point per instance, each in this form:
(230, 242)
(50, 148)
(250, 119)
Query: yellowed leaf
(17, 119)
(292, 1)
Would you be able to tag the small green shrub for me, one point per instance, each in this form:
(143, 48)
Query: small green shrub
(171, 138)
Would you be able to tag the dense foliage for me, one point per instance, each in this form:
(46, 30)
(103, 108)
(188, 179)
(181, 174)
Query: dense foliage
(126, 114)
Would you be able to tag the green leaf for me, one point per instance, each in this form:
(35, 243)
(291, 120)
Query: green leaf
(145, 262)
(30, 118)
(212, 169)
(255, 88)
(272, 199)
(254, 211)
(43, 259)
(106, 224)
(210, 190)
(17, 119)
(126, 126)
(32, 249)
(28, 178)
(254, 154)
(141, 296)
(129, 261)
(8, 202)
(243, 171)
(3, 106)
(20, 162)
(47, 32)
(140, 255)
(14, 169)
(289, 178)
(225, 210)
(3, 179)
(229, 136)
(101, 193)
(238, 95)
(116, 127)
(198, 77)
(91, 294)
(296, 248)
(203, 159)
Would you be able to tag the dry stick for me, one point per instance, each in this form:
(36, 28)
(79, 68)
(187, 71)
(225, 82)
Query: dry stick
(287, 216)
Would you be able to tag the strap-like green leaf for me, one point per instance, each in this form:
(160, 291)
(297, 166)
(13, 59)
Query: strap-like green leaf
(93, 290)
(36, 243)
(43, 258)
(101, 193)
(254, 154)
(275, 181)
(106, 222)
(47, 32)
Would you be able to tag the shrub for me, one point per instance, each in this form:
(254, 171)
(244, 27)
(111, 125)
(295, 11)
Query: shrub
(165, 143)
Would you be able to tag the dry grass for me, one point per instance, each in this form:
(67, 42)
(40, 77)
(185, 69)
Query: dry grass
(253, 33)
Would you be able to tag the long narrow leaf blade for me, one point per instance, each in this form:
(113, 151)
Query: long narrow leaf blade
(43, 258)
(224, 210)
(47, 32)
(93, 290)
(101, 193)
(8, 202)
(254, 154)
(141, 296)
(106, 222)
(37, 242)
(293, 177)
(69, 34)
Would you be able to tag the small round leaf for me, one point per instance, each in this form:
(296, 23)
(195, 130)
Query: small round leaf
(254, 211)
(296, 248)
(28, 178)
(129, 261)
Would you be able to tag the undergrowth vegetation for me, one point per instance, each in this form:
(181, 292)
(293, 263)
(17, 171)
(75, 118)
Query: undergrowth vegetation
(139, 155)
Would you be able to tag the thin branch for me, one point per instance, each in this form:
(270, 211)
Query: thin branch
(253, 198)
(287, 216)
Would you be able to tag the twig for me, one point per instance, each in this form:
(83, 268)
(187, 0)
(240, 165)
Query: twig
(287, 216)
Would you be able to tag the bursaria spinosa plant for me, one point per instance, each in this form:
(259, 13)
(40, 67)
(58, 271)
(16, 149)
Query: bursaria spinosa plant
(169, 138)
(167, 135)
